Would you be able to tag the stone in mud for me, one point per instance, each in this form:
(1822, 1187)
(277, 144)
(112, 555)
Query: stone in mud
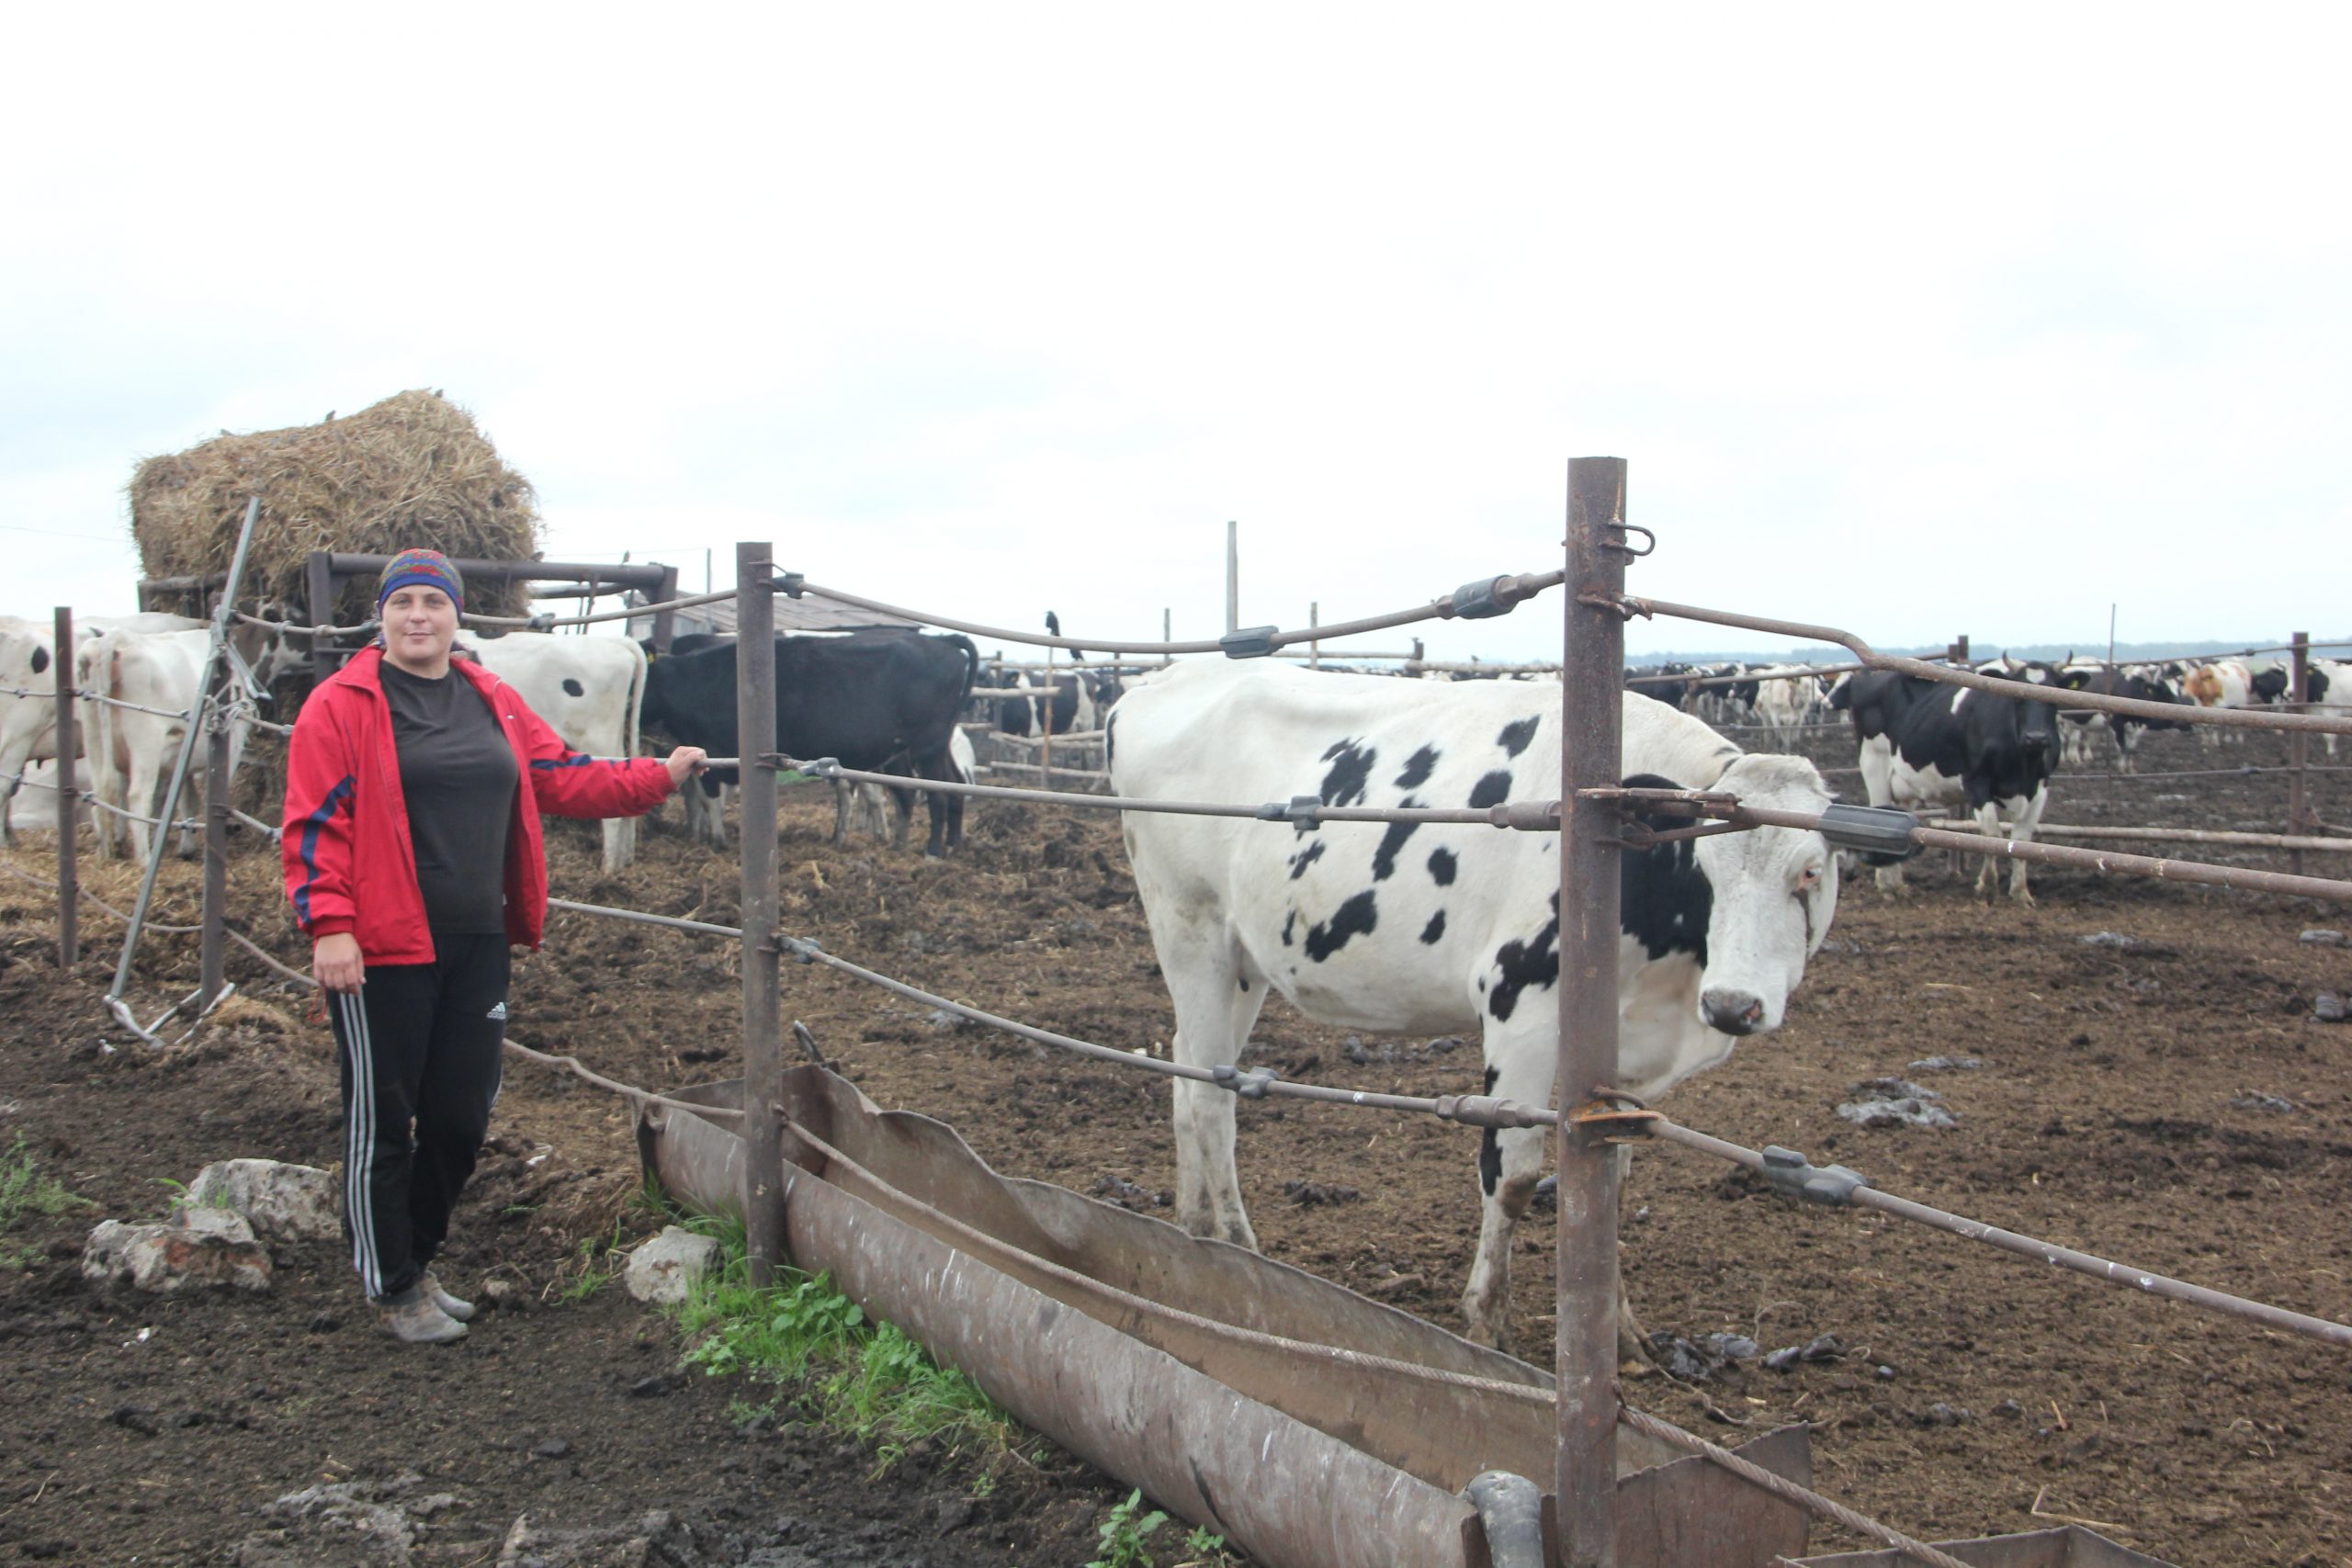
(196, 1250)
(281, 1201)
(663, 1270)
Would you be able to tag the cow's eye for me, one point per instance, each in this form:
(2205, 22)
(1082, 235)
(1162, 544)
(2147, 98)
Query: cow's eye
(1809, 879)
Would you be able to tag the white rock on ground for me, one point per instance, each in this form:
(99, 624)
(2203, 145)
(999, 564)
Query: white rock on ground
(196, 1250)
(282, 1203)
(664, 1269)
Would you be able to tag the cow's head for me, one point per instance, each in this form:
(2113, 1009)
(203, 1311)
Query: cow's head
(2038, 729)
(2270, 685)
(1770, 895)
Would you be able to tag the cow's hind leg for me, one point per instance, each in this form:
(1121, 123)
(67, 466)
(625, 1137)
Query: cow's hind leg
(946, 827)
(1216, 1002)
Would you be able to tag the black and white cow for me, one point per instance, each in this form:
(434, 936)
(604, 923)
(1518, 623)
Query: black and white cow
(861, 700)
(1436, 930)
(589, 690)
(2141, 682)
(1925, 743)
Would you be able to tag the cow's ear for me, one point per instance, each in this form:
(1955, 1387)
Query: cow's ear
(1655, 821)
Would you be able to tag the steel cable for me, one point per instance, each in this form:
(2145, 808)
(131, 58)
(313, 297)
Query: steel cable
(1516, 589)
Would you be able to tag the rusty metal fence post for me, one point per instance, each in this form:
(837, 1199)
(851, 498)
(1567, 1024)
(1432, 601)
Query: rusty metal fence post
(318, 585)
(69, 870)
(762, 1029)
(216, 841)
(1591, 725)
(2299, 816)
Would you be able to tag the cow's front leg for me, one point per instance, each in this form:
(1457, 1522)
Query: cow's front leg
(1988, 880)
(2028, 822)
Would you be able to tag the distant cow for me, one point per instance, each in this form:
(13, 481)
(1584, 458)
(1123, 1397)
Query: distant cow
(866, 807)
(1927, 743)
(29, 691)
(1786, 705)
(861, 700)
(589, 690)
(2232, 683)
(2141, 682)
(1413, 928)
(131, 749)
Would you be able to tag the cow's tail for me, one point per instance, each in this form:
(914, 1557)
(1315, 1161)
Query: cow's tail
(636, 679)
(971, 666)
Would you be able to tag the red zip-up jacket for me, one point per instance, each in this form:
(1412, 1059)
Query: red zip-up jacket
(350, 864)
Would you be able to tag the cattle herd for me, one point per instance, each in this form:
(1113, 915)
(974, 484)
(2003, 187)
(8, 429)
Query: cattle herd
(1397, 928)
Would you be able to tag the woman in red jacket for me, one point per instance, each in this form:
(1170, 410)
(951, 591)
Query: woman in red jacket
(412, 856)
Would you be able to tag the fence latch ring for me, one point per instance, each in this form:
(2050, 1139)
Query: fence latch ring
(1632, 528)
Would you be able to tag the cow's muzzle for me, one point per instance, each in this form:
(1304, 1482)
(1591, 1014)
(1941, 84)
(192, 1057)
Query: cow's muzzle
(1733, 1013)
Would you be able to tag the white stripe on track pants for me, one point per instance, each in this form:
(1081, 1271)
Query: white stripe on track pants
(420, 1050)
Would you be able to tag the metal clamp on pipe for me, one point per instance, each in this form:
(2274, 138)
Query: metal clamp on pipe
(1792, 1173)
(1484, 601)
(789, 583)
(1486, 1111)
(1527, 816)
(542, 622)
(1303, 812)
(1880, 832)
(1250, 642)
(803, 948)
(1250, 1085)
(816, 767)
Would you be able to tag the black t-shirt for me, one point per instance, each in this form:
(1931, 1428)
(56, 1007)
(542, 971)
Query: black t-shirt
(459, 777)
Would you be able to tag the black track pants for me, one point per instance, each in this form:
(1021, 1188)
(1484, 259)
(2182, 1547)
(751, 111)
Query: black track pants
(421, 1047)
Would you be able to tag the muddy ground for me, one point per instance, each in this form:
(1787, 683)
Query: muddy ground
(2171, 1103)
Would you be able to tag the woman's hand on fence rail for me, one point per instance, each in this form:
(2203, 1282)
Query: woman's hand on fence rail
(336, 965)
(684, 763)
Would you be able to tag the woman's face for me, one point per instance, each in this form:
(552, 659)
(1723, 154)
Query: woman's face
(420, 625)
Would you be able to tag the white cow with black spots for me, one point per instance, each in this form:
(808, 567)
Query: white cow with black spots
(1432, 930)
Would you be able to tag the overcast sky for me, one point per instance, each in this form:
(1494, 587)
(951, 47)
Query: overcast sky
(1914, 320)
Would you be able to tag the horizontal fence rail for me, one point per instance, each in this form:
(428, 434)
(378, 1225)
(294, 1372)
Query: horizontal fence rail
(1476, 600)
(1483, 1111)
(1631, 605)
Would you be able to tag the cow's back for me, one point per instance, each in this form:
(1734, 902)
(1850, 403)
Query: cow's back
(1367, 925)
(588, 689)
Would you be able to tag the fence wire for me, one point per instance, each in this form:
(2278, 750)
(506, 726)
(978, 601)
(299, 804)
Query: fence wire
(1483, 1111)
(1473, 601)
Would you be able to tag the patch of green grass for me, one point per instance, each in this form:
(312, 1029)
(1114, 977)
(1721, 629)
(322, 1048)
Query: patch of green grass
(594, 1263)
(803, 1338)
(24, 1190)
(1124, 1535)
(1207, 1549)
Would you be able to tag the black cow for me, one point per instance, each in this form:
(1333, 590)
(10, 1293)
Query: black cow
(1673, 694)
(866, 701)
(1009, 718)
(1925, 743)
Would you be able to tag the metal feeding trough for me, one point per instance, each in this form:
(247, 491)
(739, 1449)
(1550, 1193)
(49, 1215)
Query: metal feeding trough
(2070, 1547)
(1197, 1370)
(1298, 1460)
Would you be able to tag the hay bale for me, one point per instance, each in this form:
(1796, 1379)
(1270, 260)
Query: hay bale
(411, 470)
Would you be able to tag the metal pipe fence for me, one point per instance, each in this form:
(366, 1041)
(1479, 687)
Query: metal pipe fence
(1600, 548)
